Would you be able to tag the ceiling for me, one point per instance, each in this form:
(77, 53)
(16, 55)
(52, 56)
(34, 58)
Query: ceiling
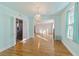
(43, 8)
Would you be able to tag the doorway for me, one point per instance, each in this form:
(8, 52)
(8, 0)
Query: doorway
(19, 29)
(45, 29)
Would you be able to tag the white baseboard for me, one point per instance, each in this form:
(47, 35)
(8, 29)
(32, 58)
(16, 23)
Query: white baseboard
(7, 47)
(73, 53)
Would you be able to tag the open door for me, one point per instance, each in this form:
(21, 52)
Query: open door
(19, 29)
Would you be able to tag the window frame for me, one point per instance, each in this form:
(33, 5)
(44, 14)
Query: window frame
(70, 23)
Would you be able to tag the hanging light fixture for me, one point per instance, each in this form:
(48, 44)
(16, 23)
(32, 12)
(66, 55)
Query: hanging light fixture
(38, 16)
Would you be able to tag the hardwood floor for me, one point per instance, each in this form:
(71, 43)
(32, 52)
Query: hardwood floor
(37, 47)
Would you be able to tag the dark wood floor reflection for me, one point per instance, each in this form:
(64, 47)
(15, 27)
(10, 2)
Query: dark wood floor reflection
(37, 47)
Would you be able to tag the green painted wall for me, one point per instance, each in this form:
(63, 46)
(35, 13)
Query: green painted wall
(7, 34)
(31, 26)
(57, 19)
(6, 29)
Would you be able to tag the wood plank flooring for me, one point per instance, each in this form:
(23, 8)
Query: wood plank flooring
(37, 47)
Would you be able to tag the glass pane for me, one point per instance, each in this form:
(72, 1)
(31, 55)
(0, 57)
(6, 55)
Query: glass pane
(70, 32)
(70, 23)
(71, 16)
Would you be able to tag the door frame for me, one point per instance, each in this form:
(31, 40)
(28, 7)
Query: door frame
(24, 19)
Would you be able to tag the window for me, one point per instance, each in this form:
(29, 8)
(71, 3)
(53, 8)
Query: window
(70, 23)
